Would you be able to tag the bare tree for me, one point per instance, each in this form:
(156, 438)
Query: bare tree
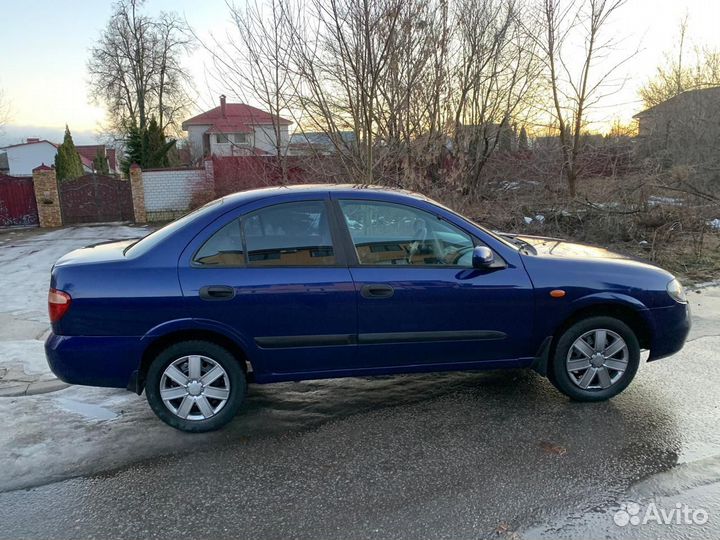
(343, 57)
(254, 61)
(135, 68)
(575, 89)
(400, 89)
(497, 65)
(678, 73)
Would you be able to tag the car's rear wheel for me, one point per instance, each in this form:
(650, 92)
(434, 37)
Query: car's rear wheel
(595, 359)
(195, 386)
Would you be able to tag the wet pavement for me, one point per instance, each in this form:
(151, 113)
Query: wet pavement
(465, 455)
(460, 455)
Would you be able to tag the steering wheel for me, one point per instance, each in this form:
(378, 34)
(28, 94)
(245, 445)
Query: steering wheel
(462, 253)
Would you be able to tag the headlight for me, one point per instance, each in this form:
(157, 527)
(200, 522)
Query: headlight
(676, 291)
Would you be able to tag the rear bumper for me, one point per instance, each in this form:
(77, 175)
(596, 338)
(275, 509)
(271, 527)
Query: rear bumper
(671, 327)
(93, 360)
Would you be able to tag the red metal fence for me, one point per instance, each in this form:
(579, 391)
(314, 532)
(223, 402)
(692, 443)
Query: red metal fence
(17, 201)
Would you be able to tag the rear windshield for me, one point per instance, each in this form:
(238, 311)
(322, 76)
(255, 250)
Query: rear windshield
(156, 237)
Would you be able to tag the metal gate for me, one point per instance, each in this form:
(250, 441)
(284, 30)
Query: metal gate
(95, 198)
(17, 201)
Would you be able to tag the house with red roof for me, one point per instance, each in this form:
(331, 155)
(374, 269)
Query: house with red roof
(22, 158)
(236, 129)
(88, 152)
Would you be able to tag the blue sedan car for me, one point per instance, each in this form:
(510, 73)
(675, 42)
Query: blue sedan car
(310, 282)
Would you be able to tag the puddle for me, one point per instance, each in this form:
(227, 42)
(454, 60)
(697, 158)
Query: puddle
(93, 412)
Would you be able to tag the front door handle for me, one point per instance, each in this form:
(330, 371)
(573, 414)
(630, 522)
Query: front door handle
(217, 292)
(377, 290)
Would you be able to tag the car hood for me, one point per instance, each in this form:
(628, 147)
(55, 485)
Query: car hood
(555, 247)
(102, 252)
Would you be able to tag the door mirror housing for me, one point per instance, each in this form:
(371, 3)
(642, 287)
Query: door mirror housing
(482, 257)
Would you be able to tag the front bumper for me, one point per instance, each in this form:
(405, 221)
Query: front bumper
(93, 360)
(671, 326)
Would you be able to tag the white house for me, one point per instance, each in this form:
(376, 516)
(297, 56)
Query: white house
(24, 157)
(236, 129)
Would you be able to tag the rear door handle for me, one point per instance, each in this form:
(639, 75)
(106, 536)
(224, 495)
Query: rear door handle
(377, 290)
(217, 292)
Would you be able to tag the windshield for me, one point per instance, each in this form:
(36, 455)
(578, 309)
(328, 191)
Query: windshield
(500, 237)
(146, 243)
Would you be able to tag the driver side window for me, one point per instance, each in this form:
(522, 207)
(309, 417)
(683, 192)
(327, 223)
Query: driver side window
(395, 234)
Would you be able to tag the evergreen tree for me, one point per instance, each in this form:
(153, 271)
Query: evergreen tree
(67, 160)
(133, 149)
(523, 144)
(100, 163)
(157, 147)
(146, 147)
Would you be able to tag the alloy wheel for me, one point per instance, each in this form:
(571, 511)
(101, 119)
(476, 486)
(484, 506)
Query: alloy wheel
(597, 359)
(194, 387)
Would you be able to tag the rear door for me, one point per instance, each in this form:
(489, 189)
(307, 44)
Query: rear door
(420, 302)
(275, 277)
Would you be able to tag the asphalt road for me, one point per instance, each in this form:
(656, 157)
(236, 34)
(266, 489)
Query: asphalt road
(463, 455)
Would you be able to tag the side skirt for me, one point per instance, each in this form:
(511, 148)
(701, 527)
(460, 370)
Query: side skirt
(394, 370)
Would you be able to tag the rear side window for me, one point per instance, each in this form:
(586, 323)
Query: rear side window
(289, 234)
(224, 248)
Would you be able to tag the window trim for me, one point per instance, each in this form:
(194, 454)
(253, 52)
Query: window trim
(339, 250)
(246, 136)
(354, 261)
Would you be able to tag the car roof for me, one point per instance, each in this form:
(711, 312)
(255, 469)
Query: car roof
(319, 189)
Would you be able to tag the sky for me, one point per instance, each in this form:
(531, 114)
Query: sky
(44, 47)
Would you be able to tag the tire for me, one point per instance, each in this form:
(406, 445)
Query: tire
(617, 369)
(192, 403)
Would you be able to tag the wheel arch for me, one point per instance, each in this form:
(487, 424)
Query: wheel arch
(631, 316)
(158, 343)
(628, 313)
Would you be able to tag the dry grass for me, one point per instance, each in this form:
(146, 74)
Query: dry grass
(629, 215)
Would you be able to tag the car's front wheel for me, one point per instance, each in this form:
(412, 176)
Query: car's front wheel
(595, 359)
(195, 386)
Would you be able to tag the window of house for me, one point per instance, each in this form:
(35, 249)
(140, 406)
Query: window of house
(228, 138)
(395, 234)
(289, 234)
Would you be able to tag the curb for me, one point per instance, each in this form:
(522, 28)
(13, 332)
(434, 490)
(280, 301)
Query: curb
(31, 389)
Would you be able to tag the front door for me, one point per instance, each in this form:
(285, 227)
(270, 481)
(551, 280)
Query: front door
(420, 302)
(273, 275)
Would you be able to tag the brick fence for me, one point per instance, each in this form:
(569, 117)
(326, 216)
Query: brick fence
(170, 193)
(166, 194)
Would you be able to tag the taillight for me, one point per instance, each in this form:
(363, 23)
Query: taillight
(58, 304)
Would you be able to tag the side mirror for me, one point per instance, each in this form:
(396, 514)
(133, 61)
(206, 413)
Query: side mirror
(482, 257)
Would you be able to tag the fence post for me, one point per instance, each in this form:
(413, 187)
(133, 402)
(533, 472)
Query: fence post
(138, 193)
(209, 167)
(47, 196)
